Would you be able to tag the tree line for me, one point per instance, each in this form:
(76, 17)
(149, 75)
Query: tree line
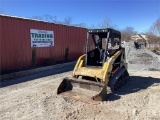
(153, 32)
(53, 19)
(127, 32)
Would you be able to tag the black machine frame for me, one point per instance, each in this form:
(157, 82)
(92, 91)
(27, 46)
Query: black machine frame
(110, 35)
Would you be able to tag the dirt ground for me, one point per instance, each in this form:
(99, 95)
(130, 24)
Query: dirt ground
(35, 98)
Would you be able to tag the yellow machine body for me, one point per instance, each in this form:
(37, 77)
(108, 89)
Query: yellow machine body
(98, 68)
(103, 73)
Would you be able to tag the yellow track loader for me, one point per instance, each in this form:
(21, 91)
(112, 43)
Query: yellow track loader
(102, 66)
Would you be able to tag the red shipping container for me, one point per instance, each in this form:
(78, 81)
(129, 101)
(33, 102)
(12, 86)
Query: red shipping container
(15, 41)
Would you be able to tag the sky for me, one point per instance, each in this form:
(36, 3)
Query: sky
(139, 14)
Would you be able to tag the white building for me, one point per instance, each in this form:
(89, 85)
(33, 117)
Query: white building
(139, 37)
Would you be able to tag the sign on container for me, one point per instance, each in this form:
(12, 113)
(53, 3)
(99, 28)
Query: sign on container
(41, 38)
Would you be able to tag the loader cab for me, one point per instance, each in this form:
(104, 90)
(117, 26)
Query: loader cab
(101, 44)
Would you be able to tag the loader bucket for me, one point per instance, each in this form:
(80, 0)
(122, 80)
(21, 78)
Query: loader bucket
(67, 86)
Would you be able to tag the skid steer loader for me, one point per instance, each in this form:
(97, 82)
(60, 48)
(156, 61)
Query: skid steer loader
(102, 66)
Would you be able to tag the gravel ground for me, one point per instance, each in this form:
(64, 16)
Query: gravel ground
(34, 97)
(141, 59)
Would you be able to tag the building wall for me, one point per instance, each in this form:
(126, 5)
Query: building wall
(139, 36)
(16, 51)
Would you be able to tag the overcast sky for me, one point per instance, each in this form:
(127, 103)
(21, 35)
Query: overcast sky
(139, 14)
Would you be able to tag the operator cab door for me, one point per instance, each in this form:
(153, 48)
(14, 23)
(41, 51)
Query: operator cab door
(95, 50)
(100, 46)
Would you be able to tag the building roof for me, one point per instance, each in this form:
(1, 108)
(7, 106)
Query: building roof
(37, 20)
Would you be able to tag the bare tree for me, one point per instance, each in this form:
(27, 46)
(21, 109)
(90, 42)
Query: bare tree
(50, 18)
(127, 32)
(92, 26)
(154, 34)
(81, 25)
(106, 23)
(155, 28)
(152, 38)
(67, 20)
(37, 17)
(47, 18)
